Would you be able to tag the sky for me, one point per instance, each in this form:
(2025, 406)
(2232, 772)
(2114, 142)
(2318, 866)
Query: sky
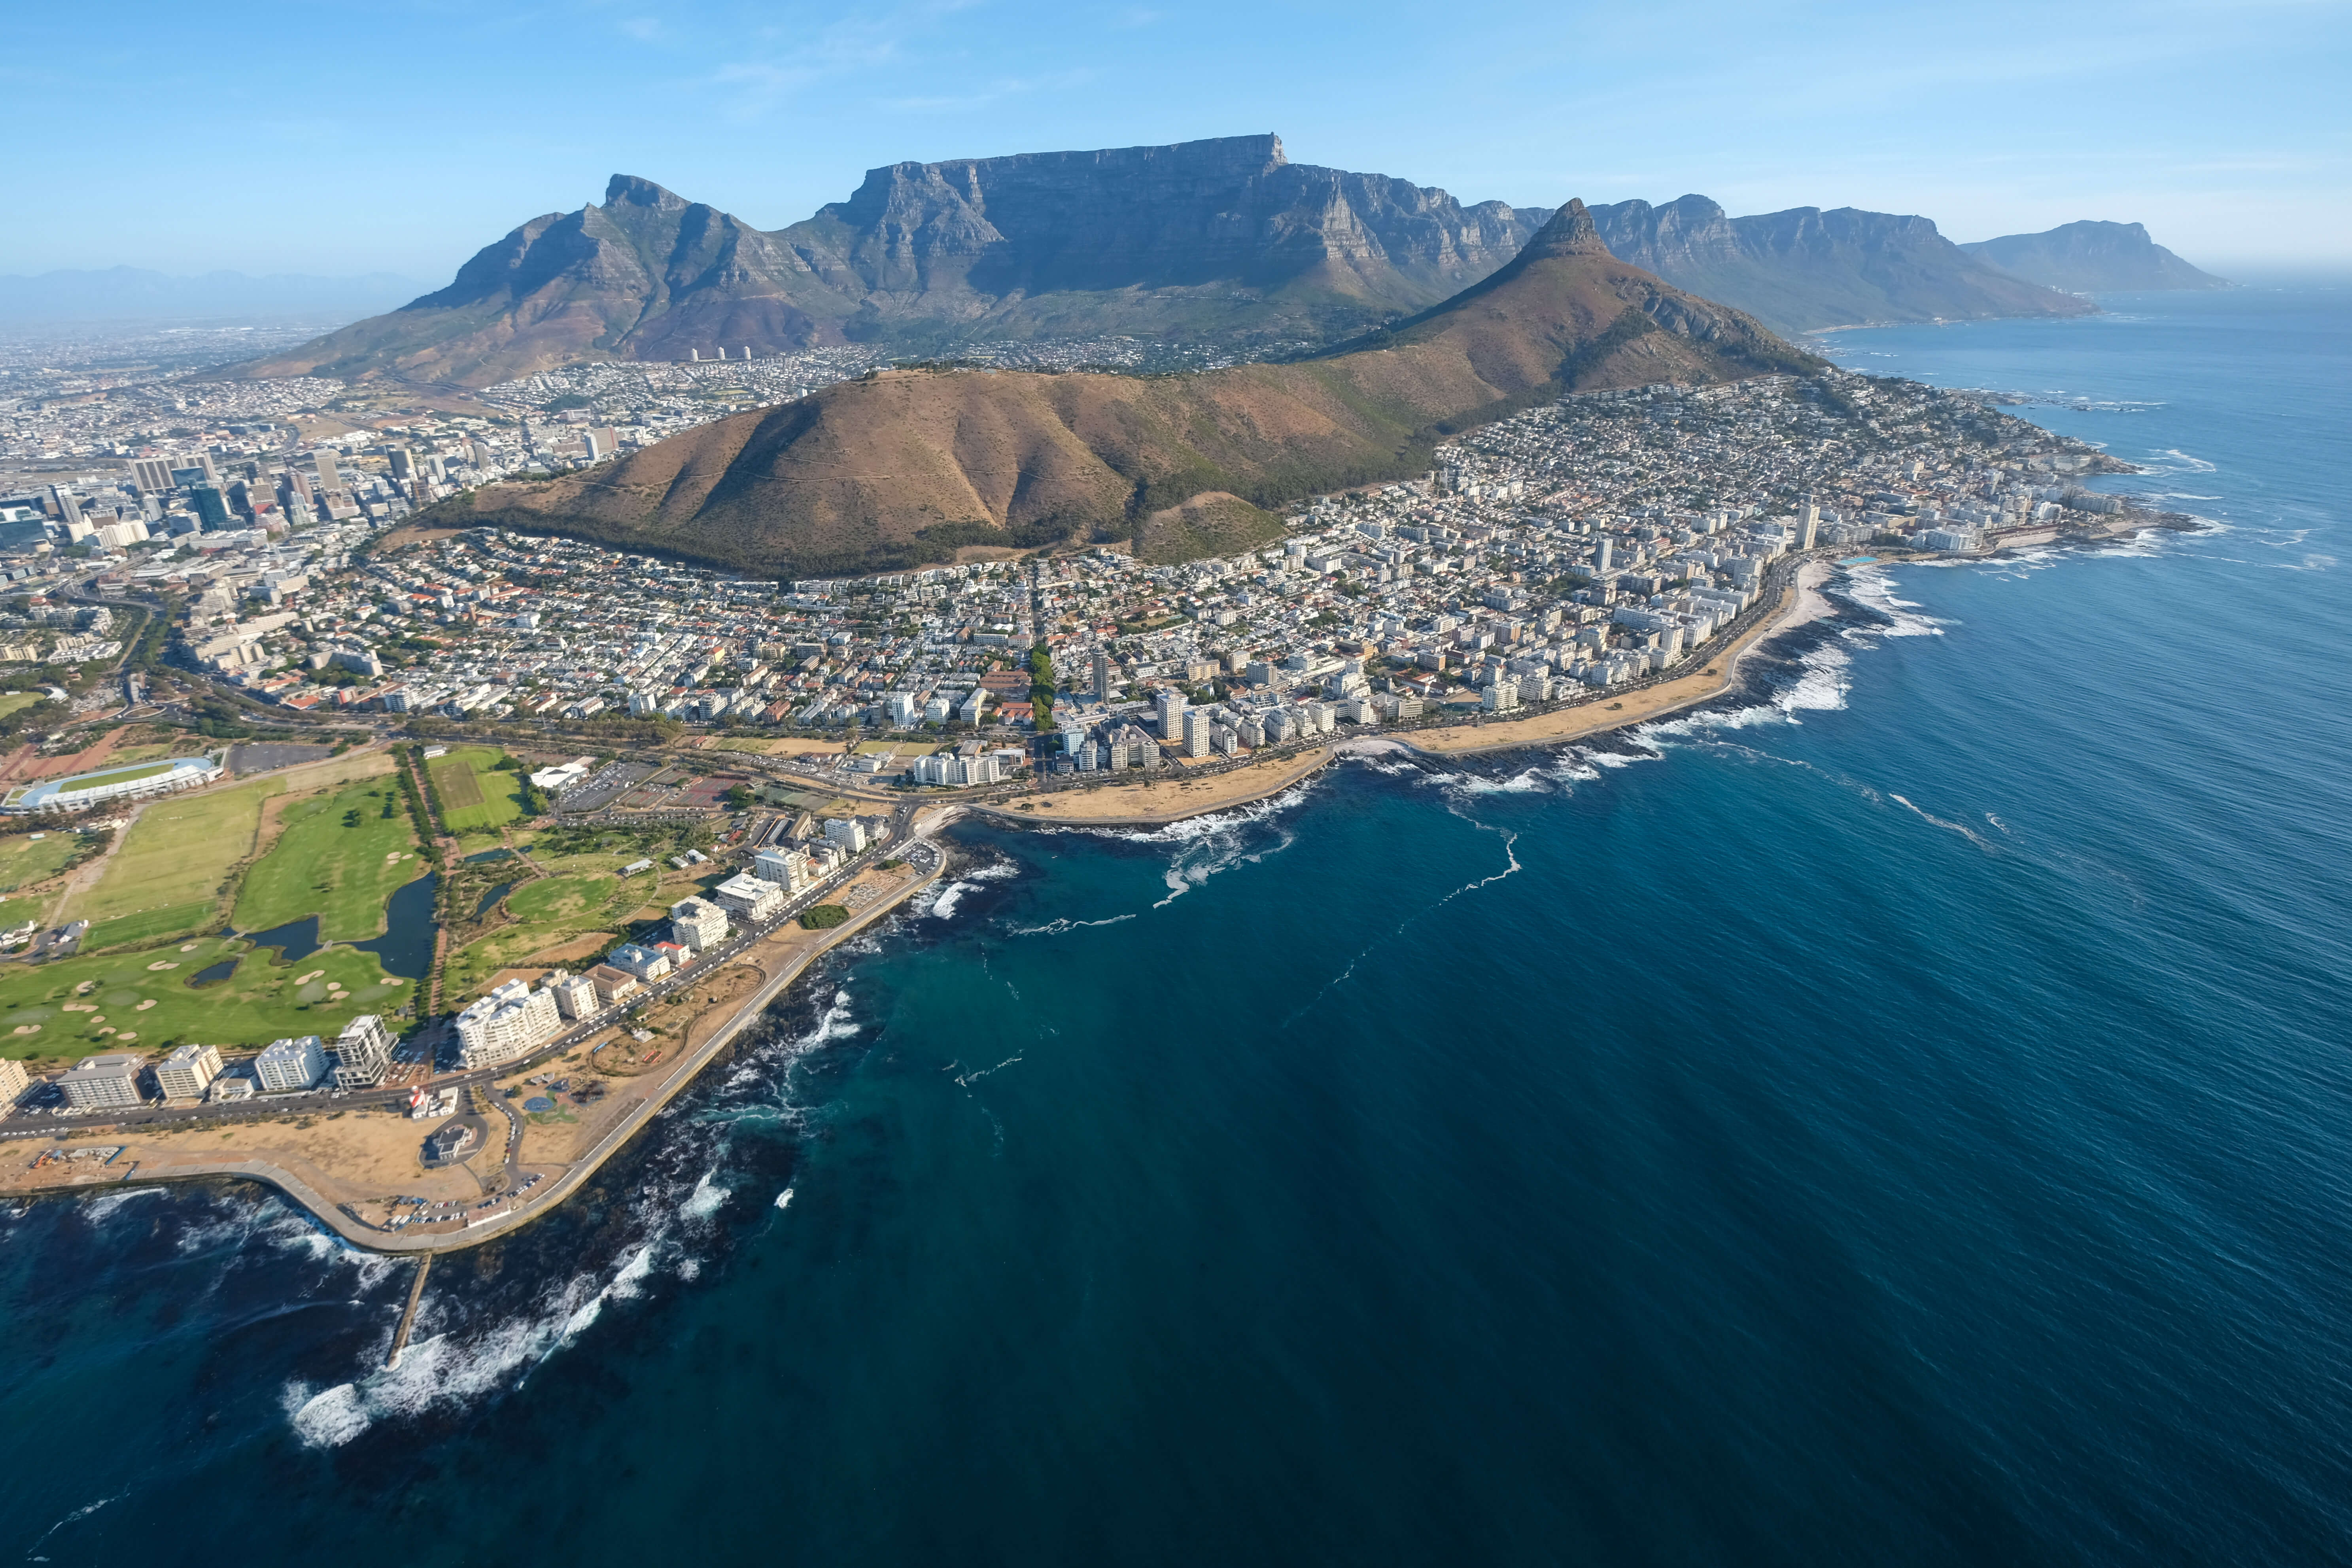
(402, 135)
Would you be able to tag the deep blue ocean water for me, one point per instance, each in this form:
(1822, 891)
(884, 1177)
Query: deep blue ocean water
(1904, 1115)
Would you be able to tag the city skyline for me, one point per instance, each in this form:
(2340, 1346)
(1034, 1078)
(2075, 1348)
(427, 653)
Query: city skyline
(2216, 127)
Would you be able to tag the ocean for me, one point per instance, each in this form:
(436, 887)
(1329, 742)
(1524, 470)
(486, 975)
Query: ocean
(1900, 1114)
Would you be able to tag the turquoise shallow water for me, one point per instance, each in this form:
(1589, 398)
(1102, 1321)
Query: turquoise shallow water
(1903, 1115)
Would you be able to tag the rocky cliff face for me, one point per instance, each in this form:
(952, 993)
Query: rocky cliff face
(1224, 237)
(2090, 256)
(1805, 269)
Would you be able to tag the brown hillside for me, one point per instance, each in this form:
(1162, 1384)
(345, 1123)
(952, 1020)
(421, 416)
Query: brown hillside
(903, 466)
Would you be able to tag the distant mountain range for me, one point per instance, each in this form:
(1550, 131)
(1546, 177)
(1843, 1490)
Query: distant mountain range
(1804, 269)
(1225, 239)
(136, 293)
(903, 466)
(2092, 256)
(1221, 241)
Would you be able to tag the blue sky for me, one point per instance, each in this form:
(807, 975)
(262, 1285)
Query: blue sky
(401, 135)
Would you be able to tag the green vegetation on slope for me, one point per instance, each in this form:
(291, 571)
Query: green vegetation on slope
(340, 858)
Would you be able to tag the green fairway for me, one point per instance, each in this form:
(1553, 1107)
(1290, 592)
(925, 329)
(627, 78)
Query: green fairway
(25, 860)
(340, 858)
(180, 851)
(475, 792)
(63, 1009)
(581, 896)
(152, 925)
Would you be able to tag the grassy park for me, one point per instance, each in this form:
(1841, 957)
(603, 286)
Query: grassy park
(340, 856)
(143, 1000)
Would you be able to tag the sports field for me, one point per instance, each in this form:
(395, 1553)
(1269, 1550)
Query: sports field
(475, 792)
(340, 856)
(142, 1000)
(179, 853)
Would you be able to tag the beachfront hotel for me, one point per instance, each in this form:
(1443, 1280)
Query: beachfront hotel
(508, 1022)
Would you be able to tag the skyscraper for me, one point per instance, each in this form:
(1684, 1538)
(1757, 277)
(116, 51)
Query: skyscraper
(1102, 675)
(329, 477)
(152, 475)
(1171, 715)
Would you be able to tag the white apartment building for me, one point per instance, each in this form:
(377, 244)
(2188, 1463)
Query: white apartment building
(575, 995)
(787, 869)
(508, 1022)
(747, 896)
(288, 1065)
(643, 963)
(362, 1052)
(847, 832)
(14, 1079)
(110, 1081)
(188, 1071)
(1198, 728)
(1171, 706)
(697, 924)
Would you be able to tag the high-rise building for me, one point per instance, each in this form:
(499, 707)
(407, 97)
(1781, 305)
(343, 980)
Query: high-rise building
(575, 995)
(362, 1052)
(505, 1024)
(1198, 729)
(1809, 522)
(288, 1065)
(329, 477)
(847, 832)
(1102, 675)
(109, 1081)
(1171, 715)
(697, 923)
(14, 1079)
(188, 1071)
(403, 466)
(212, 507)
(152, 475)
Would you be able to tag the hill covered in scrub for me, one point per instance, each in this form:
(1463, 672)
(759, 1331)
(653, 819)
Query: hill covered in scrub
(905, 466)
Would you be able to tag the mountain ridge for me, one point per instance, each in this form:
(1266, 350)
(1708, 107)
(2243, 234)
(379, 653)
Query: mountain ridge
(1807, 268)
(2091, 255)
(1222, 238)
(903, 466)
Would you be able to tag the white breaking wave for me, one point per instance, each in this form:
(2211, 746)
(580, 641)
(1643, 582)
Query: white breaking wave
(704, 1202)
(784, 1199)
(1059, 926)
(1872, 588)
(943, 903)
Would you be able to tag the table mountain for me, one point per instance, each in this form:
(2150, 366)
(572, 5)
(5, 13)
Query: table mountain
(1223, 238)
(904, 467)
(2091, 255)
(1804, 269)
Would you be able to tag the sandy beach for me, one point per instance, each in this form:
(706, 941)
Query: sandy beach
(1801, 602)
(1164, 800)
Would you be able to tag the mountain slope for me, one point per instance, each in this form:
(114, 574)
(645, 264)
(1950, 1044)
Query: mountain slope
(2091, 255)
(1223, 238)
(1804, 269)
(904, 467)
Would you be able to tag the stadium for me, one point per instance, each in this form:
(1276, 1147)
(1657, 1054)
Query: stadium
(78, 791)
